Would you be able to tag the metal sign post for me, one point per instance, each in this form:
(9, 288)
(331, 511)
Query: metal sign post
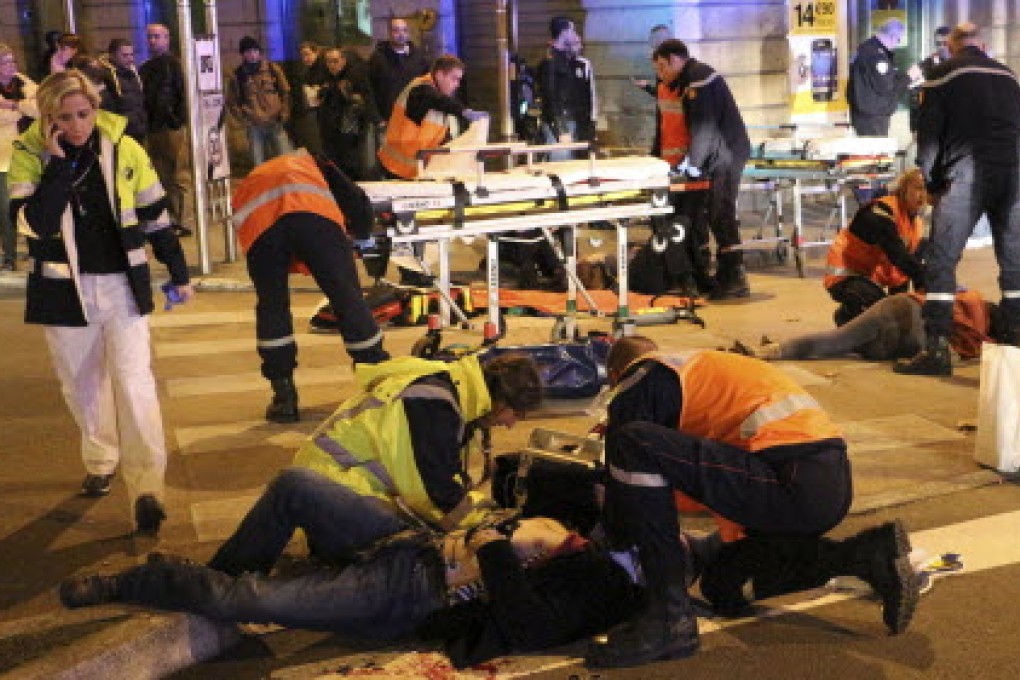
(218, 162)
(188, 62)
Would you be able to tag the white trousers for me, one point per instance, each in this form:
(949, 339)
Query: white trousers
(106, 377)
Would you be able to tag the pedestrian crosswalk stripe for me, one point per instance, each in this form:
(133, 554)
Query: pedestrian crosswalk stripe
(196, 348)
(239, 435)
(253, 381)
(182, 319)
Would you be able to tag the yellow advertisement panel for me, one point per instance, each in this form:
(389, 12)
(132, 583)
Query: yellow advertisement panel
(817, 81)
(812, 17)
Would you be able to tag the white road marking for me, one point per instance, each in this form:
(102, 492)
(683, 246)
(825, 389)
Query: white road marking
(172, 350)
(178, 388)
(180, 318)
(238, 435)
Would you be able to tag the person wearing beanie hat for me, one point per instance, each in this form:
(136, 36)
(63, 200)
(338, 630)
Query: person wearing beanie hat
(259, 96)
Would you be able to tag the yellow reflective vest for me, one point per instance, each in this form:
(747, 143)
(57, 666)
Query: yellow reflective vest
(366, 444)
(53, 295)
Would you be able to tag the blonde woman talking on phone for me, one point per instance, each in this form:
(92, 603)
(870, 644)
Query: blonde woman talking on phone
(87, 199)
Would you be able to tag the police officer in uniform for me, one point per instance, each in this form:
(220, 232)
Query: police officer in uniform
(718, 149)
(295, 213)
(967, 149)
(876, 84)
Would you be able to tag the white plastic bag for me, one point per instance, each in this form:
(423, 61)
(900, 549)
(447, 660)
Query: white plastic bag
(998, 429)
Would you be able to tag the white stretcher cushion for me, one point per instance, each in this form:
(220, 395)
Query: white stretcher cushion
(829, 147)
(623, 168)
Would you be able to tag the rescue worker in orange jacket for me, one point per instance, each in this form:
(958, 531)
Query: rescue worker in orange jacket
(742, 438)
(717, 151)
(425, 116)
(892, 328)
(295, 213)
(878, 251)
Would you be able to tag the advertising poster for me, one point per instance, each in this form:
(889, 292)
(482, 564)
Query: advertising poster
(817, 84)
(214, 137)
(207, 64)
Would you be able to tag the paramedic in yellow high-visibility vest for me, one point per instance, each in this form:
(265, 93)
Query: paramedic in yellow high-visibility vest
(391, 457)
(426, 115)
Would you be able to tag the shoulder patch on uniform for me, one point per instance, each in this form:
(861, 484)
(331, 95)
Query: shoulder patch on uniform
(882, 67)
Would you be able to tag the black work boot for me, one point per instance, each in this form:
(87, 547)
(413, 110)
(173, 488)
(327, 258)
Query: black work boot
(934, 359)
(731, 279)
(87, 591)
(880, 557)
(149, 514)
(665, 630)
(284, 407)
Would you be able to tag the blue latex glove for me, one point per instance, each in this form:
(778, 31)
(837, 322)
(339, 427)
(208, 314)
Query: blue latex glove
(365, 243)
(172, 296)
(693, 172)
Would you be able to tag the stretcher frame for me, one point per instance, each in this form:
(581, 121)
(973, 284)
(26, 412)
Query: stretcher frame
(801, 176)
(640, 199)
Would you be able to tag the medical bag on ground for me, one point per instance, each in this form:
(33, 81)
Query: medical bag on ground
(998, 428)
(569, 370)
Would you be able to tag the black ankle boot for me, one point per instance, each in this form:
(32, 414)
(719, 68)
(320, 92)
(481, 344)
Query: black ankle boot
(665, 630)
(731, 280)
(880, 557)
(934, 359)
(86, 591)
(284, 407)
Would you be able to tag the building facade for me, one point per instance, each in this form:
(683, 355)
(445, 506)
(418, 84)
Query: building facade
(746, 40)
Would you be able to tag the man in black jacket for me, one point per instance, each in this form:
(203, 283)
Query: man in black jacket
(927, 67)
(394, 64)
(124, 87)
(875, 84)
(519, 586)
(166, 109)
(967, 149)
(566, 86)
(718, 149)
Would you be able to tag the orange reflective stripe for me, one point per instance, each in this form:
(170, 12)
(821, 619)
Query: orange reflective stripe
(404, 138)
(674, 136)
(286, 184)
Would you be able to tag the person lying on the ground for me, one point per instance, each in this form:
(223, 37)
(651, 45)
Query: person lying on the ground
(513, 586)
(878, 254)
(890, 329)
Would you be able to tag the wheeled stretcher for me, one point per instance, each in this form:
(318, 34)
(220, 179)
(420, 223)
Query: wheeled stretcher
(828, 164)
(478, 203)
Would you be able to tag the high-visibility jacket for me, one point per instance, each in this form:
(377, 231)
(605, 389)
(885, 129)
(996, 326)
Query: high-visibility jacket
(674, 136)
(850, 256)
(54, 297)
(286, 184)
(745, 402)
(405, 138)
(366, 444)
(971, 323)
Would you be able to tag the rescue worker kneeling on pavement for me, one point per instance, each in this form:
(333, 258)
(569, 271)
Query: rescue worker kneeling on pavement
(400, 449)
(877, 255)
(295, 212)
(740, 437)
(426, 115)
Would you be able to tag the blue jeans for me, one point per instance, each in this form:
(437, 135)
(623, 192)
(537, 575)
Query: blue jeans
(387, 595)
(974, 191)
(337, 521)
(267, 141)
